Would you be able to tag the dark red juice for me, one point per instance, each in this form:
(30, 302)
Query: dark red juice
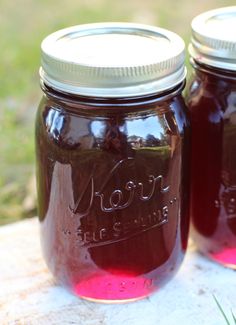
(212, 105)
(113, 198)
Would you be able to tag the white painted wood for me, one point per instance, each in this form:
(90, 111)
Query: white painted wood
(29, 295)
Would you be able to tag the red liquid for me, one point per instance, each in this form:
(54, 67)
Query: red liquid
(113, 198)
(212, 104)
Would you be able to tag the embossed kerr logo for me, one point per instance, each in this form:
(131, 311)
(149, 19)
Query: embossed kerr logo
(227, 200)
(116, 199)
(119, 229)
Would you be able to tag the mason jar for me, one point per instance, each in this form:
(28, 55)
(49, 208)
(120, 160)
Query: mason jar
(112, 152)
(212, 105)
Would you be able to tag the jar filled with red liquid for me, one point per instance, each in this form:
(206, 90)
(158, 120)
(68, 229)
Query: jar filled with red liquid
(112, 151)
(212, 105)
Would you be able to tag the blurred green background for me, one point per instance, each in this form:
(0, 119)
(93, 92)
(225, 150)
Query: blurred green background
(23, 25)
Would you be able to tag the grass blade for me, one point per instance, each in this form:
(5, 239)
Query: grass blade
(234, 318)
(221, 310)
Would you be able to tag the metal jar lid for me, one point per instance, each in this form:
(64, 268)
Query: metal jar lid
(112, 60)
(214, 38)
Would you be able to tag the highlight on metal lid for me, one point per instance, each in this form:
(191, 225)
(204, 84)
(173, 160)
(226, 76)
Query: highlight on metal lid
(214, 38)
(112, 60)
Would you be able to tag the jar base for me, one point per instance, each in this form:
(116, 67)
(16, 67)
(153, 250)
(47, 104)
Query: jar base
(114, 288)
(112, 301)
(226, 257)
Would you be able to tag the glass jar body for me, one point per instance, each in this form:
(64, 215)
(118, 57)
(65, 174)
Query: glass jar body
(112, 180)
(212, 105)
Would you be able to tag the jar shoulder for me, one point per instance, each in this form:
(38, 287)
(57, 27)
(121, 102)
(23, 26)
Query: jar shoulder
(211, 101)
(146, 125)
(214, 92)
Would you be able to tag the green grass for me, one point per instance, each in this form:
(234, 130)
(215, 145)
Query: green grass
(225, 317)
(16, 166)
(23, 25)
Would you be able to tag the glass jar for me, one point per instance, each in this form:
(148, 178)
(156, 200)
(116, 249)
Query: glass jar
(212, 105)
(112, 152)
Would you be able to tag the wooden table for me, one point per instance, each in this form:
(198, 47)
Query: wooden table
(29, 295)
